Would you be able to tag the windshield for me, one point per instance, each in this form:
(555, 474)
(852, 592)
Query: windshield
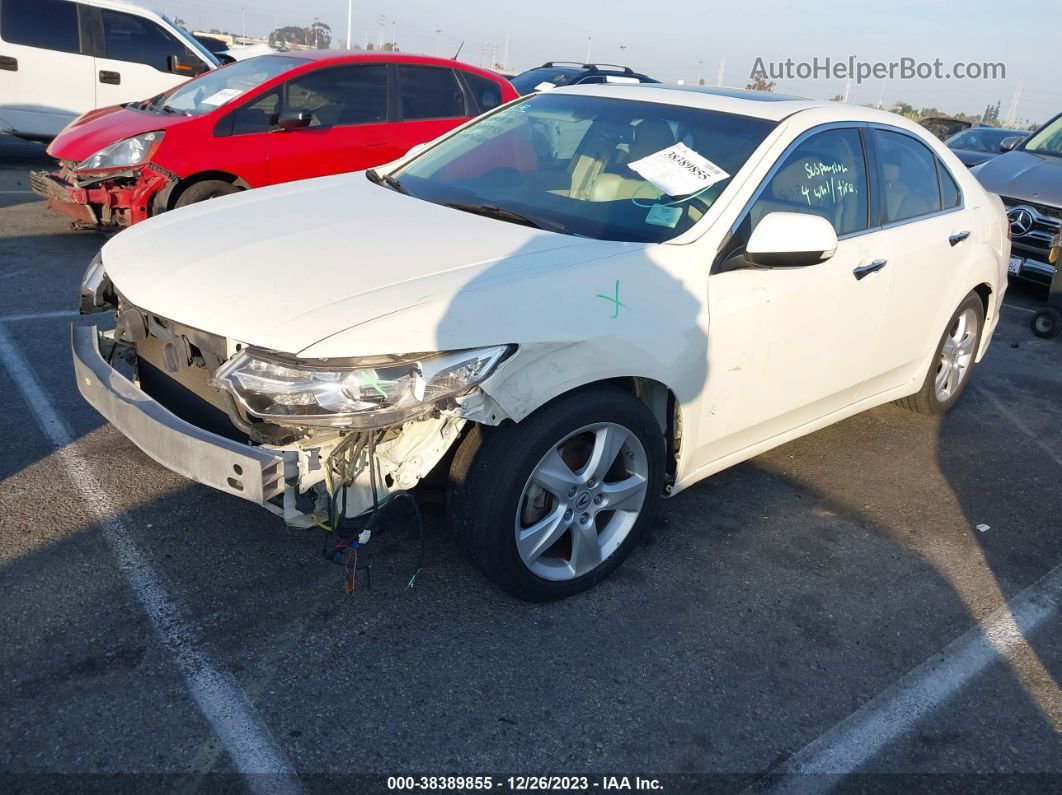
(1048, 139)
(211, 90)
(529, 81)
(979, 139)
(597, 167)
(192, 42)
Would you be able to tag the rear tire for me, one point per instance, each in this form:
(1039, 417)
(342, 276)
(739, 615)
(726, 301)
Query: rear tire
(953, 361)
(552, 505)
(207, 189)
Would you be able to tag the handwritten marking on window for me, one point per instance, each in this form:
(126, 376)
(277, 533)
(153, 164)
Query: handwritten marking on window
(830, 185)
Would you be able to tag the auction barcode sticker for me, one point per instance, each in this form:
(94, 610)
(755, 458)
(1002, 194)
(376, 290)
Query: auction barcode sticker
(678, 170)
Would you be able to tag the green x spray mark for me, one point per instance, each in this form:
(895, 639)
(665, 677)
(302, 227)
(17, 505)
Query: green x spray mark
(615, 300)
(372, 381)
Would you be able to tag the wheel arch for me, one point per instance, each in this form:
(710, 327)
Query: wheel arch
(168, 197)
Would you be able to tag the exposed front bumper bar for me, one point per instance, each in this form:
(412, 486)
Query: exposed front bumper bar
(239, 469)
(109, 201)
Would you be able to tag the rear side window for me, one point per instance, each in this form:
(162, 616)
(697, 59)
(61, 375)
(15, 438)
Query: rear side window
(487, 93)
(824, 175)
(428, 92)
(950, 195)
(48, 24)
(127, 37)
(908, 176)
(342, 96)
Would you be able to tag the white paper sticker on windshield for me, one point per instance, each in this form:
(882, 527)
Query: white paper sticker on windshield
(221, 97)
(678, 170)
(544, 86)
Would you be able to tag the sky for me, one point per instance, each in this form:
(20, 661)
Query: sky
(684, 40)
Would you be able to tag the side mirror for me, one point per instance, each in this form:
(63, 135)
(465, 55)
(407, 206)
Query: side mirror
(791, 240)
(1009, 143)
(187, 65)
(294, 119)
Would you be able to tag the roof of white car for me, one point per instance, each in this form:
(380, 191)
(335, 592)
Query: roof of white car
(759, 104)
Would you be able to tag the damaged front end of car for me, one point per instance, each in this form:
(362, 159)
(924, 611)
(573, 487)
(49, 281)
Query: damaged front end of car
(110, 190)
(316, 442)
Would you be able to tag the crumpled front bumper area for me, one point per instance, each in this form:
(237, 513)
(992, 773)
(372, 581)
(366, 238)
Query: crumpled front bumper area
(110, 201)
(239, 469)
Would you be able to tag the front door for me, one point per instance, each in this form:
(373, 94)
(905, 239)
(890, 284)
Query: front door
(349, 128)
(787, 346)
(133, 61)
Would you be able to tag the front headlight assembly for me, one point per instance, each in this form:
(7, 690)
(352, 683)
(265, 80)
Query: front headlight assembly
(133, 151)
(362, 394)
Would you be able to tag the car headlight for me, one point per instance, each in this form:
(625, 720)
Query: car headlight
(362, 393)
(95, 288)
(127, 152)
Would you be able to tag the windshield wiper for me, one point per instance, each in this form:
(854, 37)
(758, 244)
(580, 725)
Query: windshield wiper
(503, 214)
(377, 178)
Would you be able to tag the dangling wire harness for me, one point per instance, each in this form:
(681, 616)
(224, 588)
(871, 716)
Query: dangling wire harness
(341, 468)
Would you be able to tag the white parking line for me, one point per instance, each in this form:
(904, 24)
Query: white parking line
(58, 313)
(846, 747)
(1017, 308)
(226, 708)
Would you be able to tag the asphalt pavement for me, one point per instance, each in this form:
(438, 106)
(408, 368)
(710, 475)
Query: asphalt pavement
(878, 598)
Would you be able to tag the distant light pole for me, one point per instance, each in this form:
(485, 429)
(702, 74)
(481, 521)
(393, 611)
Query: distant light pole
(315, 33)
(438, 42)
(589, 41)
(243, 22)
(350, 18)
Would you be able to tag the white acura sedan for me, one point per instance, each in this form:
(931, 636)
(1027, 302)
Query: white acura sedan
(570, 307)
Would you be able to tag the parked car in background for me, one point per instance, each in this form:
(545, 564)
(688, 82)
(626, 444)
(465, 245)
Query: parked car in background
(270, 119)
(60, 59)
(978, 144)
(554, 74)
(945, 126)
(1029, 180)
(684, 279)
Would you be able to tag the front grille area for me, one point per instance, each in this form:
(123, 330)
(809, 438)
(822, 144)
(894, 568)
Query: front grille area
(1044, 224)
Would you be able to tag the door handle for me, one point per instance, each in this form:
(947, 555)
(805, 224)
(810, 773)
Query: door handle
(114, 78)
(958, 237)
(865, 270)
(8, 64)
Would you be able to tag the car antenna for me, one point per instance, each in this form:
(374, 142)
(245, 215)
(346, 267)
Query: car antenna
(458, 51)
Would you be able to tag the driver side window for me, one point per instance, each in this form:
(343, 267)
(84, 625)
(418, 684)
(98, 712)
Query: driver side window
(824, 175)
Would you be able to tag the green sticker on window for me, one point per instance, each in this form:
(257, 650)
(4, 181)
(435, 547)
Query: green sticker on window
(664, 215)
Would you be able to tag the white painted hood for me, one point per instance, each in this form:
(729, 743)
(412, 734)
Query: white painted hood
(291, 265)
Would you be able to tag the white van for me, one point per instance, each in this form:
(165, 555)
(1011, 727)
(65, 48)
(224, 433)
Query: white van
(61, 58)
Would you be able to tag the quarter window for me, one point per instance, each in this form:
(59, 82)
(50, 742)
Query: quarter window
(950, 195)
(824, 175)
(486, 92)
(429, 92)
(908, 177)
(48, 24)
(343, 96)
(127, 37)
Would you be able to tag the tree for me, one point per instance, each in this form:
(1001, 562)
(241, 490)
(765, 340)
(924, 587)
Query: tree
(760, 83)
(320, 34)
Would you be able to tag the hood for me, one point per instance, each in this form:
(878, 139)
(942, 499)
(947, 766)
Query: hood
(1025, 176)
(969, 157)
(287, 266)
(90, 133)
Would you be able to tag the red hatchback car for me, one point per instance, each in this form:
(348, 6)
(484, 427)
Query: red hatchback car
(270, 119)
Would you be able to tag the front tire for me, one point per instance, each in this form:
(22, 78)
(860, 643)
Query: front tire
(207, 189)
(953, 362)
(550, 506)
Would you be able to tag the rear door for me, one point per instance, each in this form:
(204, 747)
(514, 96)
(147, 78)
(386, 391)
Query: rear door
(349, 129)
(431, 101)
(923, 211)
(45, 77)
(132, 57)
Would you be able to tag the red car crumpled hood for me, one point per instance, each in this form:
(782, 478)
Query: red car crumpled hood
(102, 127)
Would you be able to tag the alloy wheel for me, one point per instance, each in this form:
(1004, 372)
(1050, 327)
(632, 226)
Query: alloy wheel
(956, 355)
